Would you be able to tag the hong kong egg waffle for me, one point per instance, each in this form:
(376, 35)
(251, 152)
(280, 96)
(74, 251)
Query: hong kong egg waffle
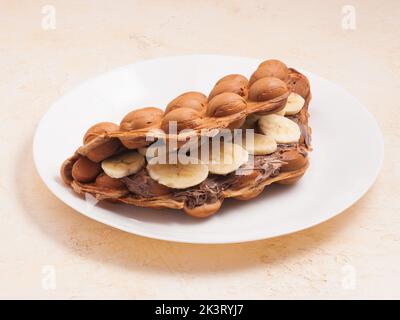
(230, 102)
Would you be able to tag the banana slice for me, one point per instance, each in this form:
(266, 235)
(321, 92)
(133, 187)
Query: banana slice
(294, 104)
(178, 176)
(282, 129)
(123, 165)
(262, 144)
(229, 158)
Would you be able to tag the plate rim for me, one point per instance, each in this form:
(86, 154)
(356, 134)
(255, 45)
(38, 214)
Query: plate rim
(153, 234)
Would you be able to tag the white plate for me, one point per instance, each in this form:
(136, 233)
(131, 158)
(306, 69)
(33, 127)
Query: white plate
(347, 156)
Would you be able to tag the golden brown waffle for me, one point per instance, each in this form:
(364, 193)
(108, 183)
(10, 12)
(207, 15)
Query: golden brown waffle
(232, 99)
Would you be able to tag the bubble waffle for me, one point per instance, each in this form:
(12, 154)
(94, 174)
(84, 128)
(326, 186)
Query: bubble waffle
(274, 102)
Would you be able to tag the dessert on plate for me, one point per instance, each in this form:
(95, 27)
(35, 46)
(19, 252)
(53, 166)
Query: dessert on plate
(246, 134)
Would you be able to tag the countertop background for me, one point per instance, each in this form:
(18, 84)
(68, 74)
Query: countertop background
(47, 250)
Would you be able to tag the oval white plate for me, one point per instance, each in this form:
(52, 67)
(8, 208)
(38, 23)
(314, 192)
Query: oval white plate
(348, 152)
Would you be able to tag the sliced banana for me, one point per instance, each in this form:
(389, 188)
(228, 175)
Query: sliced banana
(282, 129)
(294, 104)
(228, 159)
(178, 176)
(123, 165)
(261, 144)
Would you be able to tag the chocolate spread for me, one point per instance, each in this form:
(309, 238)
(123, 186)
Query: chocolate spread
(140, 184)
(210, 190)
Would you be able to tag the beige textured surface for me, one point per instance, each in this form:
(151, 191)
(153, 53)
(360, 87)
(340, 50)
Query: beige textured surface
(91, 260)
